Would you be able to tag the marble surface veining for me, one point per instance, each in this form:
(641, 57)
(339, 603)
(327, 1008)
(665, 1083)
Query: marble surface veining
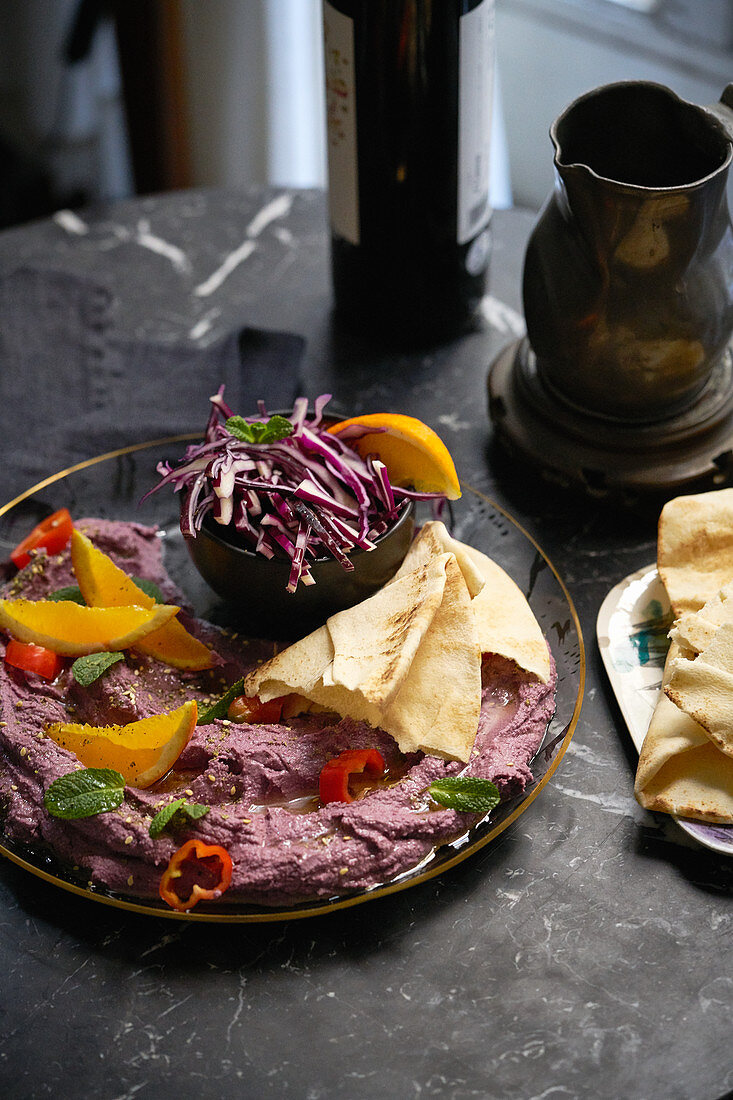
(586, 953)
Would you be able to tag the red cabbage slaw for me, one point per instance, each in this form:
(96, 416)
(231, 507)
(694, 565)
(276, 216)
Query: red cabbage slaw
(306, 496)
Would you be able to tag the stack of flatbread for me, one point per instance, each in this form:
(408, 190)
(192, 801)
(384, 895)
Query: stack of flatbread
(686, 762)
(408, 659)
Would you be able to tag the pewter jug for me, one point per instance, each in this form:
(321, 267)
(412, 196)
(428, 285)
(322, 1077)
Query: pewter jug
(628, 278)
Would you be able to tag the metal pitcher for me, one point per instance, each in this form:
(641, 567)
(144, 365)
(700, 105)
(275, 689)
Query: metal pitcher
(628, 278)
(625, 379)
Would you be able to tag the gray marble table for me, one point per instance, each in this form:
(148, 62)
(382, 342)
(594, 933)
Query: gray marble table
(586, 953)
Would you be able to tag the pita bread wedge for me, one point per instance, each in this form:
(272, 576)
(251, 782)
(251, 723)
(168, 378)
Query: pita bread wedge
(406, 660)
(703, 688)
(680, 770)
(695, 630)
(695, 548)
(504, 620)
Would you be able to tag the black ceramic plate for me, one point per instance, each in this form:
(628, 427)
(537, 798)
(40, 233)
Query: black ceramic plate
(111, 486)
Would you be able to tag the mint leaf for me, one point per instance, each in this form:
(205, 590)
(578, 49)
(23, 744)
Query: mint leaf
(240, 429)
(220, 708)
(176, 815)
(89, 668)
(276, 428)
(150, 588)
(467, 794)
(85, 793)
(70, 592)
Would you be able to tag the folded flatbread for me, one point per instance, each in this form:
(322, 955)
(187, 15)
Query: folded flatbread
(702, 687)
(695, 548)
(407, 660)
(695, 630)
(682, 769)
(505, 622)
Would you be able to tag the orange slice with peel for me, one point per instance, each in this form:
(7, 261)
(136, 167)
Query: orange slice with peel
(72, 630)
(104, 584)
(142, 751)
(415, 455)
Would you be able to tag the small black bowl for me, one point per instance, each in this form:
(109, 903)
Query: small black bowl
(255, 586)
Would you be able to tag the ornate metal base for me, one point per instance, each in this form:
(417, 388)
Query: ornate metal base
(690, 452)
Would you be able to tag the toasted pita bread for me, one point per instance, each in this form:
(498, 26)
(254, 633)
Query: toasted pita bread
(686, 761)
(695, 630)
(695, 548)
(406, 660)
(504, 620)
(703, 688)
(681, 771)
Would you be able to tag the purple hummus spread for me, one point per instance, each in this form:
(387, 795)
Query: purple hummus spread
(260, 781)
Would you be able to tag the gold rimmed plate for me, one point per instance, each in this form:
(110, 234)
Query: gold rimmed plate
(112, 485)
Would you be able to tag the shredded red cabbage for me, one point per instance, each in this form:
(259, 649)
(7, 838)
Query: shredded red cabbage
(305, 496)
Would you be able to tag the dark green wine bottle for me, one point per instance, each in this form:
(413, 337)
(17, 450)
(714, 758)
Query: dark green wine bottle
(409, 93)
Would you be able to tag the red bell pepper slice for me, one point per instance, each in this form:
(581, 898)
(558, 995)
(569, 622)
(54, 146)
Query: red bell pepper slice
(33, 658)
(333, 784)
(246, 709)
(204, 870)
(51, 535)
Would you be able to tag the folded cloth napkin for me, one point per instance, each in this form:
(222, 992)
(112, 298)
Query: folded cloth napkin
(72, 386)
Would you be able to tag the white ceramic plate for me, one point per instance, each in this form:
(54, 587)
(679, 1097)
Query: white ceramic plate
(632, 628)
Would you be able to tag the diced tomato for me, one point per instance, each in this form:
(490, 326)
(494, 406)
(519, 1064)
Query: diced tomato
(333, 785)
(196, 872)
(253, 710)
(34, 658)
(51, 535)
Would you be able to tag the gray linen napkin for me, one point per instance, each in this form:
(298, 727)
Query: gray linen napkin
(72, 387)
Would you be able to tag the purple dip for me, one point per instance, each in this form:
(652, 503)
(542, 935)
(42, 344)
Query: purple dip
(261, 781)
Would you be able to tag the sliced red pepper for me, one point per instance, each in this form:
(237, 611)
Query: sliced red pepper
(246, 709)
(204, 871)
(33, 658)
(51, 535)
(333, 785)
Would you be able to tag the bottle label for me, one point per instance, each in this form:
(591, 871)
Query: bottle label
(475, 96)
(343, 190)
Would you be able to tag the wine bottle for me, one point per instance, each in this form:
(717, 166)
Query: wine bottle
(408, 91)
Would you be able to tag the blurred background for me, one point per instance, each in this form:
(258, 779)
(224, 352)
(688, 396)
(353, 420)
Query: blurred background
(105, 99)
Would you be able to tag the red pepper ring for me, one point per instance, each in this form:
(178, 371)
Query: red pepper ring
(196, 859)
(51, 534)
(333, 784)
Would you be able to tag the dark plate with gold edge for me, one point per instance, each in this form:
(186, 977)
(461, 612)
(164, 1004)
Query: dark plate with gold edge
(111, 485)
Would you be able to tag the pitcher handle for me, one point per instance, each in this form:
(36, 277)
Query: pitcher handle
(723, 110)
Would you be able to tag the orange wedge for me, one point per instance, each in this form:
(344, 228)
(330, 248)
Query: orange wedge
(72, 630)
(104, 584)
(415, 456)
(142, 751)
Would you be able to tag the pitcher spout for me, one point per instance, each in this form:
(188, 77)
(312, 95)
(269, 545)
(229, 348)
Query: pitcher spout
(723, 111)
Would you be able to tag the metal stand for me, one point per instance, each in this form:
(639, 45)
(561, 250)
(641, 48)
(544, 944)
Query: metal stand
(689, 452)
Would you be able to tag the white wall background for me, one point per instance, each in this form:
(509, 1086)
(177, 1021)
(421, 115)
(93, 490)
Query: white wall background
(255, 86)
(256, 95)
(551, 51)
